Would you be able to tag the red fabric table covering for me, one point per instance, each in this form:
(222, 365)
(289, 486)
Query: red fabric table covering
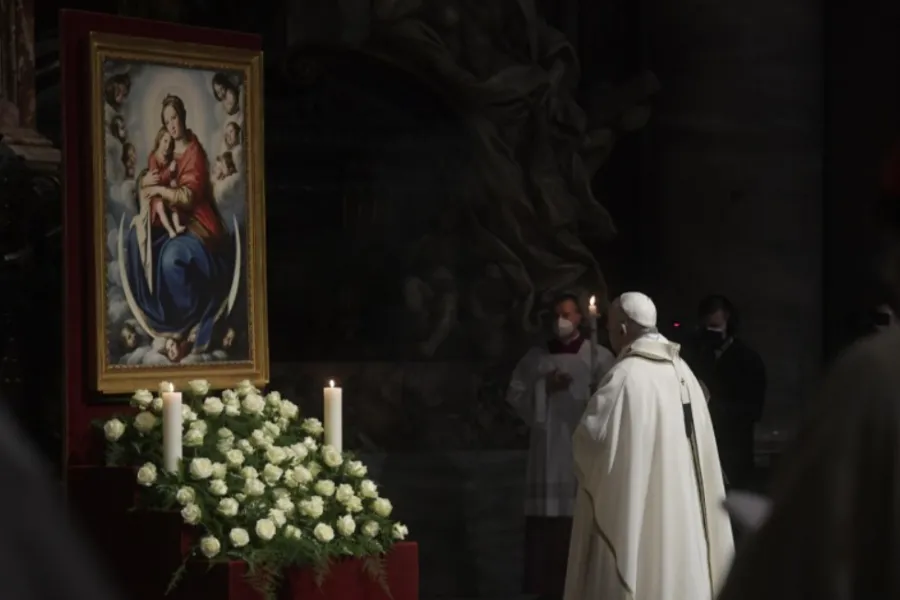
(143, 549)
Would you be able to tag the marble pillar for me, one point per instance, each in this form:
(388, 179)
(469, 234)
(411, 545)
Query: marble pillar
(737, 173)
(17, 62)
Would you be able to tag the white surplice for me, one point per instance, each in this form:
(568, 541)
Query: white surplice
(550, 482)
(649, 519)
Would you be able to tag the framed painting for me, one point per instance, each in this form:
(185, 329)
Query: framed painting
(178, 213)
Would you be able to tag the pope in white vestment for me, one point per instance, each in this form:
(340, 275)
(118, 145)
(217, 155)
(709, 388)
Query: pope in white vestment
(549, 390)
(649, 520)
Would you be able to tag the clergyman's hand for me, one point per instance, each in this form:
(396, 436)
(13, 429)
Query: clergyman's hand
(558, 382)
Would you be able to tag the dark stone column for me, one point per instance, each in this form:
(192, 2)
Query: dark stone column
(17, 61)
(737, 166)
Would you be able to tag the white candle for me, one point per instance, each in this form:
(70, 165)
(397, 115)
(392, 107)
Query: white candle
(334, 425)
(592, 316)
(171, 430)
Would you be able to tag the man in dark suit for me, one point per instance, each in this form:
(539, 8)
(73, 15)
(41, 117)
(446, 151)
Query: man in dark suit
(735, 377)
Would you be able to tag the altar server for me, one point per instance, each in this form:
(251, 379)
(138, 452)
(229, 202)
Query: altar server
(549, 390)
(649, 519)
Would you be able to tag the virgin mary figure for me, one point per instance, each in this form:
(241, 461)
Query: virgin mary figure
(179, 285)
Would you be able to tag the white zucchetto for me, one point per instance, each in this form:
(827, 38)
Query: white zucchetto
(639, 308)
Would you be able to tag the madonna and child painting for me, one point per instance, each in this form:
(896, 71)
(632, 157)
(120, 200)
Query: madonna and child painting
(179, 212)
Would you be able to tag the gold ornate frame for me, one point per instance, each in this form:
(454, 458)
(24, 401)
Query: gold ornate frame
(113, 379)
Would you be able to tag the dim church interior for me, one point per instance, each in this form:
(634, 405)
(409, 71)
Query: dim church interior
(724, 189)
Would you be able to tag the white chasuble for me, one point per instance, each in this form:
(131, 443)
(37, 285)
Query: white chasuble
(550, 481)
(649, 519)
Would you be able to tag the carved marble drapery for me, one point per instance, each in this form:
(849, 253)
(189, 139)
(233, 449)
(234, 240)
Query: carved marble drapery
(17, 60)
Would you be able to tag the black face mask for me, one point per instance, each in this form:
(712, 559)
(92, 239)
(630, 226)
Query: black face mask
(711, 337)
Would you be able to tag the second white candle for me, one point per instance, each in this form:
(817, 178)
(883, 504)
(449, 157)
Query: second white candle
(172, 430)
(334, 417)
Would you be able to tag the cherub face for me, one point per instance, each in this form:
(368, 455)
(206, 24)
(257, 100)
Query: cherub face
(164, 142)
(129, 338)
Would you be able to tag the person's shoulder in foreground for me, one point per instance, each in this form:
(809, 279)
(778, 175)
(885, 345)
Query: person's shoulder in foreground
(41, 557)
(827, 532)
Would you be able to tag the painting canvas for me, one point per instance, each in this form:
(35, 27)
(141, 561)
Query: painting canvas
(178, 213)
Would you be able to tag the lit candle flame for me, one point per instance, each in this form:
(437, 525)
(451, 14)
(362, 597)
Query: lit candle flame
(331, 382)
(593, 301)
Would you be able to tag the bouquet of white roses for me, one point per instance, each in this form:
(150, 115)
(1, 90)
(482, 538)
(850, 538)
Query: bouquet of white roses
(257, 481)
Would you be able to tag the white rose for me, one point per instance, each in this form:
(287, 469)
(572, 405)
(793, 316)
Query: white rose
(300, 452)
(232, 406)
(113, 429)
(310, 444)
(354, 504)
(146, 475)
(249, 473)
(198, 387)
(288, 410)
(368, 489)
(228, 396)
(217, 487)
(399, 531)
(191, 514)
(355, 468)
(187, 414)
(312, 427)
(200, 468)
(311, 508)
(277, 516)
(273, 399)
(370, 529)
(245, 387)
(271, 474)
(210, 546)
(301, 475)
(254, 487)
(225, 434)
(265, 529)
(246, 447)
(239, 537)
(235, 458)
(344, 492)
(292, 532)
(282, 423)
(276, 455)
(323, 533)
(200, 426)
(219, 471)
(331, 456)
(285, 505)
(185, 495)
(166, 387)
(156, 405)
(193, 438)
(345, 525)
(314, 469)
(240, 497)
(253, 404)
(213, 406)
(324, 487)
(382, 507)
(272, 429)
(142, 399)
(145, 422)
(228, 507)
(224, 446)
(259, 438)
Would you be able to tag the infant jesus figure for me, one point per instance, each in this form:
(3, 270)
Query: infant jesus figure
(162, 161)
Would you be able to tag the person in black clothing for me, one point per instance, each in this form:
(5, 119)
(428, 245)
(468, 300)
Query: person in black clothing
(735, 376)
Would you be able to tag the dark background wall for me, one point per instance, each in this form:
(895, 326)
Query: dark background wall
(722, 191)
